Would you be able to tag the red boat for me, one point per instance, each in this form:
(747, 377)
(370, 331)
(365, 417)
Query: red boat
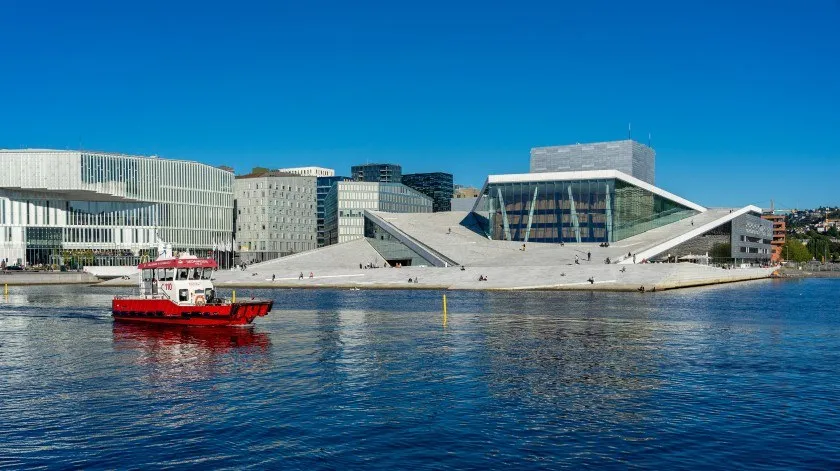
(180, 291)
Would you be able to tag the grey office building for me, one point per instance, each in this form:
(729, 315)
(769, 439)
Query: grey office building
(382, 173)
(628, 156)
(275, 215)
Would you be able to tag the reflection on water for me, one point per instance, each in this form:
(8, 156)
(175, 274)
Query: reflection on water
(735, 376)
(160, 340)
(178, 354)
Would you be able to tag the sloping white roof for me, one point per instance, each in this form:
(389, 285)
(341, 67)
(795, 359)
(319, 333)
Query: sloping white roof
(589, 175)
(698, 231)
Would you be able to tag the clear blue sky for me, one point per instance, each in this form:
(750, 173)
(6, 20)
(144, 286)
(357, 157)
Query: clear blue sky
(742, 98)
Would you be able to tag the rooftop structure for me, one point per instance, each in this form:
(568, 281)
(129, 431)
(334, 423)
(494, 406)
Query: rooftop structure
(627, 156)
(309, 171)
(384, 173)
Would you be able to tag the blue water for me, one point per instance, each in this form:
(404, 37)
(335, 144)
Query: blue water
(736, 376)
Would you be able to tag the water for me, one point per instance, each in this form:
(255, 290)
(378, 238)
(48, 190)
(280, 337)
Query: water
(742, 375)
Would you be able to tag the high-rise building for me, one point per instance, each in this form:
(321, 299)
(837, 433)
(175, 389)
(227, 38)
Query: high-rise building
(309, 171)
(383, 173)
(628, 156)
(346, 203)
(275, 215)
(78, 208)
(779, 234)
(324, 186)
(436, 185)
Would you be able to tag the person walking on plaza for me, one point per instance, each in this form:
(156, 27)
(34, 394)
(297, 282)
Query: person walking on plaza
(588, 256)
(301, 276)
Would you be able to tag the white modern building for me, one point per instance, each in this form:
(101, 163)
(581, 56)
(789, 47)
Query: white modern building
(346, 203)
(309, 171)
(276, 215)
(79, 208)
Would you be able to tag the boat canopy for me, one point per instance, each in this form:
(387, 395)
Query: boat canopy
(180, 263)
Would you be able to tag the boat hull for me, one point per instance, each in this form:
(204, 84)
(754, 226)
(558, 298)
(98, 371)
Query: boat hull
(164, 311)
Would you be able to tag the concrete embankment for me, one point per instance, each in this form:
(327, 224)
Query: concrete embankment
(588, 277)
(46, 278)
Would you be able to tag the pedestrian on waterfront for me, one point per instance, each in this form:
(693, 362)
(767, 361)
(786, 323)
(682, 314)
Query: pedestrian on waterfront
(273, 277)
(577, 262)
(634, 259)
(591, 280)
(301, 276)
(692, 222)
(588, 256)
(417, 279)
(449, 231)
(360, 266)
(410, 280)
(523, 247)
(311, 275)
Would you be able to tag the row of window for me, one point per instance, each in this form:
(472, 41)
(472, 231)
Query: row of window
(757, 250)
(171, 274)
(755, 240)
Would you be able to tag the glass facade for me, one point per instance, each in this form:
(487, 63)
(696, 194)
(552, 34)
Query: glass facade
(438, 186)
(604, 210)
(109, 209)
(325, 184)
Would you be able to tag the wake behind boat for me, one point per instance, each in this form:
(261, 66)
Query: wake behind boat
(179, 290)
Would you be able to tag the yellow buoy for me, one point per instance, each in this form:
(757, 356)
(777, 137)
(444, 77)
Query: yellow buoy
(444, 310)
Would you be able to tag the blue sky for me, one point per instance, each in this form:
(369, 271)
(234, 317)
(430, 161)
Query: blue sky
(742, 99)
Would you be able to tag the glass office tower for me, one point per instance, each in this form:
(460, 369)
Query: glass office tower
(438, 186)
(563, 207)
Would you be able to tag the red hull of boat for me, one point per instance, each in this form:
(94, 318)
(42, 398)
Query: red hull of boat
(164, 311)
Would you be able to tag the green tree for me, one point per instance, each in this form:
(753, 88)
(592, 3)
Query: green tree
(259, 170)
(721, 250)
(795, 251)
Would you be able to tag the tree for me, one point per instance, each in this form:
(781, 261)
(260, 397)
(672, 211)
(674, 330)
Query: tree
(259, 170)
(721, 250)
(795, 251)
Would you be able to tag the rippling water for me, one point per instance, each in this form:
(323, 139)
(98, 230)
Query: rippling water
(742, 375)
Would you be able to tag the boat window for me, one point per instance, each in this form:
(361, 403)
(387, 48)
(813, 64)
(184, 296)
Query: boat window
(147, 274)
(196, 273)
(182, 273)
(208, 272)
(183, 294)
(161, 274)
(168, 273)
